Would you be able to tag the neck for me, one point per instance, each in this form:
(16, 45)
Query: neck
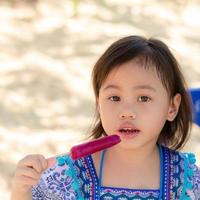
(136, 156)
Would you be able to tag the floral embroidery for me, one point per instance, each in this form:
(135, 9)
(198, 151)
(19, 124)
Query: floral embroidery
(59, 183)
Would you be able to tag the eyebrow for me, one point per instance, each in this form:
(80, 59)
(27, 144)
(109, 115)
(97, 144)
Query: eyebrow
(137, 87)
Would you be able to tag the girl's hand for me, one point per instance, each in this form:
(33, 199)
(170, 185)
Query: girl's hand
(27, 174)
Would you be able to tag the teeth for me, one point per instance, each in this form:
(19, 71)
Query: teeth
(127, 129)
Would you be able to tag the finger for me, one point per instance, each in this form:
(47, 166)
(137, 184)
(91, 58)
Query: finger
(43, 162)
(32, 161)
(28, 172)
(24, 180)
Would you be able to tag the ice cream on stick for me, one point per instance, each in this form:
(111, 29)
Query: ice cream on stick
(93, 146)
(90, 147)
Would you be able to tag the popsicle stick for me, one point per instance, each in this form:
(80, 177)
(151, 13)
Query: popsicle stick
(51, 161)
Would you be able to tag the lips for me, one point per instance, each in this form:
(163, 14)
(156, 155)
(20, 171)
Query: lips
(128, 129)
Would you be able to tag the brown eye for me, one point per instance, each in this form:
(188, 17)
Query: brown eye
(114, 98)
(144, 99)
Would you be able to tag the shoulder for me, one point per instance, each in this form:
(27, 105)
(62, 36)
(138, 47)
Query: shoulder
(192, 176)
(58, 181)
(190, 173)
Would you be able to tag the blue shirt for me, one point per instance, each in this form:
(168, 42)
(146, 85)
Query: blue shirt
(72, 180)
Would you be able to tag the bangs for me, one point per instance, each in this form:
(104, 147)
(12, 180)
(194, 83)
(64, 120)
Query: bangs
(151, 61)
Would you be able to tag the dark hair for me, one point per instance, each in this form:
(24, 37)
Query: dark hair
(152, 53)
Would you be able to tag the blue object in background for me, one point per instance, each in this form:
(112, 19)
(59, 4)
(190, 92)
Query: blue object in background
(195, 94)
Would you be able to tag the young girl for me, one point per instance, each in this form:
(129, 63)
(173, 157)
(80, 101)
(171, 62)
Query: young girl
(140, 96)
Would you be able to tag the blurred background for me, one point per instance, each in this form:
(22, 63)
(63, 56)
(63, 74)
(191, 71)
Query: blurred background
(48, 49)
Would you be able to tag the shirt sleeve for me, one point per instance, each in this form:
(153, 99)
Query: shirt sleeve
(40, 192)
(191, 177)
(57, 182)
(195, 192)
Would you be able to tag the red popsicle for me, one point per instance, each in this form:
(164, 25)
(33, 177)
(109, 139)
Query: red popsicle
(93, 146)
(90, 147)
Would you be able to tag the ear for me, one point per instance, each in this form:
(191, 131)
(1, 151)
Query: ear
(174, 107)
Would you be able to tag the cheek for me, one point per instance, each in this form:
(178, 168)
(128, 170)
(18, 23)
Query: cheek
(157, 110)
(106, 111)
(105, 107)
(156, 115)
(107, 116)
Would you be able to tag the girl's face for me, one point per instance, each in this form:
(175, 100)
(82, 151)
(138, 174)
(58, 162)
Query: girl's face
(134, 104)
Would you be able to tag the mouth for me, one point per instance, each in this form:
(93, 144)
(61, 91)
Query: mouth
(129, 131)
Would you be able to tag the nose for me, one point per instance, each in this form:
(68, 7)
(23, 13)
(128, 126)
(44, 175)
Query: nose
(127, 114)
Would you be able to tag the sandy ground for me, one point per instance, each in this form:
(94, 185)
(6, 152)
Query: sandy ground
(46, 57)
